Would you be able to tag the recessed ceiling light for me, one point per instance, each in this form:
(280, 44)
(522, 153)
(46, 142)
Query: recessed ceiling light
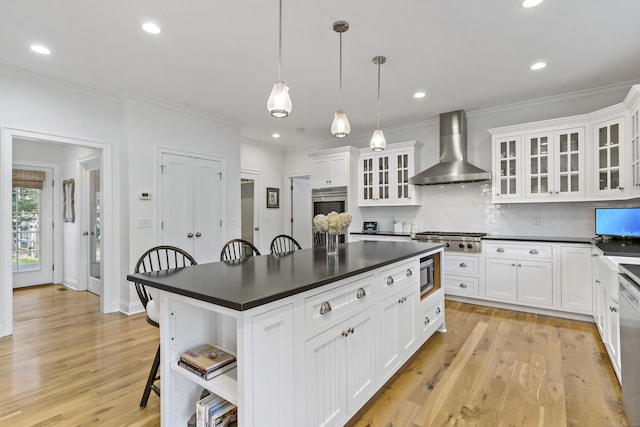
(276, 135)
(531, 3)
(419, 94)
(40, 49)
(151, 28)
(538, 66)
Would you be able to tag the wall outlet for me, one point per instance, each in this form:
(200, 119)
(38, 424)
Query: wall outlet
(144, 222)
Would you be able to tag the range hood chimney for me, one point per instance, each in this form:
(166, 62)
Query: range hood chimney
(453, 166)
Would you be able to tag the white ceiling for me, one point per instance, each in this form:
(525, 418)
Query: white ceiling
(221, 57)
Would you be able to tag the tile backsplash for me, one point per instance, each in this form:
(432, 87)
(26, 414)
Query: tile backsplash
(468, 207)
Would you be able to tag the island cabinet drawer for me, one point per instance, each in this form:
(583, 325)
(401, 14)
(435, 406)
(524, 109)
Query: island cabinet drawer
(398, 276)
(518, 250)
(461, 285)
(460, 264)
(325, 309)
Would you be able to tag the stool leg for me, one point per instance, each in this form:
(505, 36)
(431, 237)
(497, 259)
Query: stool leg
(150, 380)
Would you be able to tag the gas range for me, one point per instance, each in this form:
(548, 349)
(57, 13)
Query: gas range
(454, 241)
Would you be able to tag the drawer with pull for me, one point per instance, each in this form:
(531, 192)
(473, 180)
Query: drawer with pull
(518, 250)
(396, 277)
(431, 317)
(327, 308)
(461, 264)
(461, 285)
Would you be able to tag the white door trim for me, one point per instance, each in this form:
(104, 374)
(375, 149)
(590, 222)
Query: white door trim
(111, 224)
(84, 164)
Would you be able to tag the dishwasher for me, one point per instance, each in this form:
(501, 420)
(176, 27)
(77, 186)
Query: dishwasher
(629, 280)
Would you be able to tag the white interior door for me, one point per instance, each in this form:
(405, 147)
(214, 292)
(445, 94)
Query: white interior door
(94, 198)
(192, 205)
(32, 232)
(301, 212)
(250, 206)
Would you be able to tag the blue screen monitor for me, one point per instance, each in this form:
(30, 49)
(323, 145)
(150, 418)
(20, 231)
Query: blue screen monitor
(618, 222)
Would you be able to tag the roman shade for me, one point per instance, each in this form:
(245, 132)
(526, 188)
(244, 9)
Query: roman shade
(24, 178)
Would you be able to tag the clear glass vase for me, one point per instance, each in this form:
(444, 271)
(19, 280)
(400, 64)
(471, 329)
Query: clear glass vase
(332, 244)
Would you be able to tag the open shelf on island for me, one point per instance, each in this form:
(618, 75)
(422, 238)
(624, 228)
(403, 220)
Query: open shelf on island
(224, 385)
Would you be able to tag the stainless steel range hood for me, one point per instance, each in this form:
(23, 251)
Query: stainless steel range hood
(453, 166)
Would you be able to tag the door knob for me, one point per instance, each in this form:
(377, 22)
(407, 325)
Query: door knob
(86, 233)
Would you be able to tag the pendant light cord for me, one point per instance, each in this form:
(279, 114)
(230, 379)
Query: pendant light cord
(340, 71)
(280, 43)
(379, 93)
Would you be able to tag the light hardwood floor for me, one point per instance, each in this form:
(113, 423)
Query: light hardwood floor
(69, 365)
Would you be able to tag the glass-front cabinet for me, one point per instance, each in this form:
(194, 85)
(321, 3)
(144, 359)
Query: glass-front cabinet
(570, 152)
(608, 155)
(539, 180)
(384, 177)
(635, 149)
(507, 161)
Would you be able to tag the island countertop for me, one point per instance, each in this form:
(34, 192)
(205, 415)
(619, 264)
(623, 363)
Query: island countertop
(258, 280)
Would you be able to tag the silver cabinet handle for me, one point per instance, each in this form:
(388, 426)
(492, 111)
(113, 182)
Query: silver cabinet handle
(513, 265)
(519, 265)
(409, 272)
(613, 309)
(198, 234)
(256, 229)
(621, 188)
(500, 250)
(463, 285)
(533, 252)
(389, 281)
(350, 330)
(345, 334)
(438, 311)
(361, 293)
(325, 307)
(189, 235)
(463, 264)
(426, 320)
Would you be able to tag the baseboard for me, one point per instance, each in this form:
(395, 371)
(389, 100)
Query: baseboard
(130, 308)
(70, 283)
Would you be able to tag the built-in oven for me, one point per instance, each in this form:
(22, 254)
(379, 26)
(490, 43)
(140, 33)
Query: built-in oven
(427, 275)
(327, 200)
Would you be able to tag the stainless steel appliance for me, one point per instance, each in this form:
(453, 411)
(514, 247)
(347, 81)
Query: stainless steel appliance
(427, 275)
(454, 241)
(326, 200)
(629, 280)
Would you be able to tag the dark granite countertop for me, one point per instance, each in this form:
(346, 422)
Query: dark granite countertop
(619, 248)
(552, 239)
(259, 280)
(381, 233)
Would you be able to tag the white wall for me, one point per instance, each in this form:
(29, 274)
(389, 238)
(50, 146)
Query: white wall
(268, 162)
(456, 208)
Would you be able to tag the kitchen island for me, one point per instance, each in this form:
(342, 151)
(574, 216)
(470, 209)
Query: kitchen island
(315, 336)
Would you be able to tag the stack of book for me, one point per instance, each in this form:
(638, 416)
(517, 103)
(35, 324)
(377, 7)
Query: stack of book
(214, 411)
(207, 361)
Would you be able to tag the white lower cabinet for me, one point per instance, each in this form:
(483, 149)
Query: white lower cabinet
(606, 305)
(340, 374)
(461, 274)
(430, 318)
(576, 275)
(396, 330)
(520, 273)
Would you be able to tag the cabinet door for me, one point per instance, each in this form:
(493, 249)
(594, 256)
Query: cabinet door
(535, 282)
(570, 163)
(577, 279)
(608, 145)
(404, 168)
(326, 377)
(635, 151)
(599, 303)
(500, 279)
(366, 180)
(272, 373)
(360, 359)
(539, 165)
(507, 174)
(339, 171)
(407, 321)
(383, 178)
(388, 338)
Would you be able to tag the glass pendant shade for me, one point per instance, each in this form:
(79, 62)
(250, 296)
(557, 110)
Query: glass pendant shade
(378, 142)
(279, 102)
(340, 126)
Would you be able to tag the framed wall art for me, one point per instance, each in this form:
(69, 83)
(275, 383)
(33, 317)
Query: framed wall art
(273, 197)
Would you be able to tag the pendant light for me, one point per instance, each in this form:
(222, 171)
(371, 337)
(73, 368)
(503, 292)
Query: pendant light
(279, 102)
(377, 140)
(340, 126)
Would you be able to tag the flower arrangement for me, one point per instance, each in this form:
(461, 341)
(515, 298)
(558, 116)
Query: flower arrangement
(332, 223)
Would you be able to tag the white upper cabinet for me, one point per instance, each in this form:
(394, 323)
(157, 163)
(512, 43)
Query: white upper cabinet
(609, 153)
(384, 176)
(593, 156)
(632, 103)
(331, 168)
